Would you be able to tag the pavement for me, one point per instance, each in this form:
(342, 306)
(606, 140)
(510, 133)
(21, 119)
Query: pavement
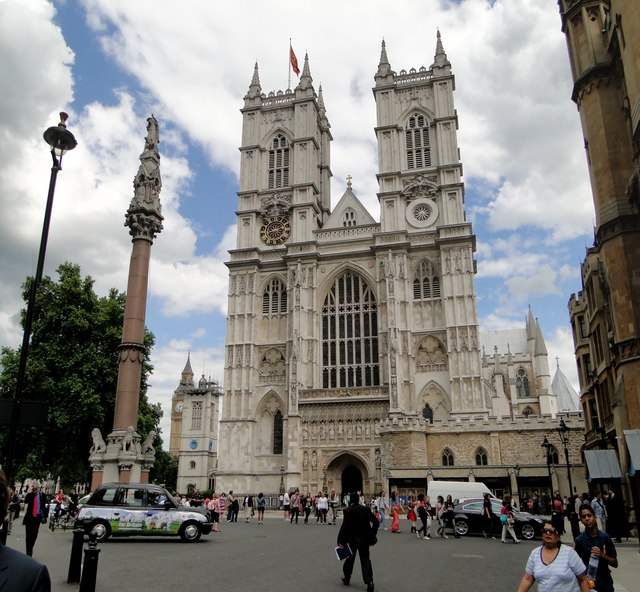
(286, 558)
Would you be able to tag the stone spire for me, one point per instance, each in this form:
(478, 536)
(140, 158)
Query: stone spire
(322, 110)
(384, 68)
(305, 78)
(440, 60)
(254, 88)
(187, 373)
(144, 217)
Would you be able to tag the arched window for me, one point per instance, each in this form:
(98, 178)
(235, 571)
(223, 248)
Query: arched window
(447, 457)
(274, 298)
(279, 162)
(522, 384)
(555, 457)
(417, 142)
(277, 432)
(481, 457)
(527, 411)
(349, 218)
(192, 464)
(426, 282)
(350, 334)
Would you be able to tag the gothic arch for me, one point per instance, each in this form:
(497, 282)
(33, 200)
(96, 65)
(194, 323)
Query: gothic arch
(327, 283)
(272, 133)
(266, 412)
(437, 398)
(404, 117)
(350, 462)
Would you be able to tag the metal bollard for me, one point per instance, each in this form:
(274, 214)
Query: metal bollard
(90, 568)
(75, 561)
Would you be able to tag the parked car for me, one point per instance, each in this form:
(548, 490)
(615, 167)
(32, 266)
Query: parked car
(469, 519)
(125, 509)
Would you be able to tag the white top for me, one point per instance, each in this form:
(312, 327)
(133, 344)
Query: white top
(322, 503)
(561, 574)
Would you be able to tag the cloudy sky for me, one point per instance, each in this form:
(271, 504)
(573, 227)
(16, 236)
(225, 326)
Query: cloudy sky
(111, 63)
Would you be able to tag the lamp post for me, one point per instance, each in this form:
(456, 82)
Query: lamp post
(548, 446)
(60, 140)
(563, 432)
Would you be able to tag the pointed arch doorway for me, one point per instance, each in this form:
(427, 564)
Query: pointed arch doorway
(351, 479)
(348, 473)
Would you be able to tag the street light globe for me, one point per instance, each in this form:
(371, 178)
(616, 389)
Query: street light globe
(59, 137)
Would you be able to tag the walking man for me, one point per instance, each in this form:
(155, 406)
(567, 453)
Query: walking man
(358, 530)
(35, 515)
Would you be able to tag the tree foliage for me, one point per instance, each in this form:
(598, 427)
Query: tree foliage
(72, 364)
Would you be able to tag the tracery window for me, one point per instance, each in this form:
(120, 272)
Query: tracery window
(522, 384)
(417, 142)
(277, 432)
(447, 457)
(481, 457)
(274, 298)
(279, 162)
(350, 334)
(426, 282)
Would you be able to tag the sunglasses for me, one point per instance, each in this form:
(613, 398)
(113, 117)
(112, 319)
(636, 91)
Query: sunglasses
(549, 531)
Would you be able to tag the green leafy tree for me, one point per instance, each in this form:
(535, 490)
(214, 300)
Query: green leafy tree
(73, 365)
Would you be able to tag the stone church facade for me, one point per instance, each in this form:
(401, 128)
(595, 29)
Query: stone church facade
(354, 358)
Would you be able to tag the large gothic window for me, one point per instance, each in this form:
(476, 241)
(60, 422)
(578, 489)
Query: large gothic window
(196, 415)
(274, 298)
(279, 162)
(417, 142)
(350, 334)
(277, 432)
(426, 282)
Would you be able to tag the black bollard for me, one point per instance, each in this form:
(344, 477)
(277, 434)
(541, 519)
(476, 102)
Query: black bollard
(90, 568)
(75, 561)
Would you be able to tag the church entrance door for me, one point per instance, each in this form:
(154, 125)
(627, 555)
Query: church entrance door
(351, 479)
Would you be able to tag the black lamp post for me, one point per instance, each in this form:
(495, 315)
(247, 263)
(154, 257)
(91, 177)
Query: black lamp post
(548, 446)
(563, 432)
(60, 140)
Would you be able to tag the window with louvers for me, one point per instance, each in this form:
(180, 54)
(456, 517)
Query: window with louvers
(417, 142)
(279, 163)
(277, 432)
(274, 298)
(426, 282)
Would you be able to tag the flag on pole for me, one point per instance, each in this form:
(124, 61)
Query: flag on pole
(294, 60)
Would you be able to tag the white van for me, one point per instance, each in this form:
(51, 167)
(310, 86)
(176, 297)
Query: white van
(458, 490)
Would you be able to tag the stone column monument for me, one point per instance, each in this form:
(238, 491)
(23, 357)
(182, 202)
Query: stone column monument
(123, 457)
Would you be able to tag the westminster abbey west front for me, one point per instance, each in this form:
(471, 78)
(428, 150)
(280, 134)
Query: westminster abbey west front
(354, 358)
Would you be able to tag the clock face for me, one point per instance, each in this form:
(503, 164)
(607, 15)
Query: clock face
(179, 407)
(193, 444)
(275, 231)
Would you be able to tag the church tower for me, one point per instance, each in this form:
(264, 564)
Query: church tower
(423, 229)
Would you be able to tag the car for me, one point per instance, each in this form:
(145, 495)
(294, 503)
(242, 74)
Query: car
(126, 509)
(469, 519)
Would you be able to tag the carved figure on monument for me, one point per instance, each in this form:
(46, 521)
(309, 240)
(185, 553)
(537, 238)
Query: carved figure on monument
(314, 460)
(332, 431)
(99, 445)
(349, 430)
(305, 459)
(147, 445)
(358, 428)
(378, 459)
(128, 441)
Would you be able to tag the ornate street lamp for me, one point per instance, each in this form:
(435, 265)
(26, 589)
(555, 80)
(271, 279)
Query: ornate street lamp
(282, 479)
(61, 140)
(563, 432)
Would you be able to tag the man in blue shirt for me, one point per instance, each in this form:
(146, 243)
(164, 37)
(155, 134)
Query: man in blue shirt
(598, 543)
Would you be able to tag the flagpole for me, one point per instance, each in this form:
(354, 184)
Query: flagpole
(289, 59)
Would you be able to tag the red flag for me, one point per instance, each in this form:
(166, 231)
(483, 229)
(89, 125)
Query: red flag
(294, 61)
